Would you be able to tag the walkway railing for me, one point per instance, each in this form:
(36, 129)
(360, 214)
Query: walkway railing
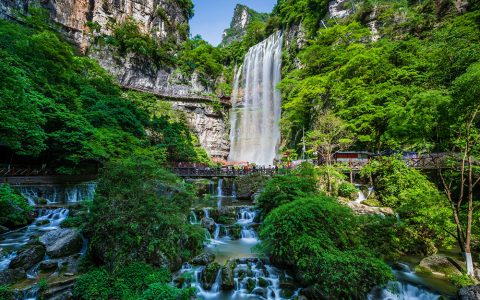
(223, 172)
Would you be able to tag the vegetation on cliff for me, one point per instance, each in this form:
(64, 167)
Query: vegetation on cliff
(15, 211)
(65, 111)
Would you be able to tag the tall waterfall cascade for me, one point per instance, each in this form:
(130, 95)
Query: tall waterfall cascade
(256, 111)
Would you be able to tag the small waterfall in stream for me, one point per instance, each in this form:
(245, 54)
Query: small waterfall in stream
(234, 189)
(252, 277)
(397, 290)
(220, 188)
(57, 193)
(47, 220)
(255, 133)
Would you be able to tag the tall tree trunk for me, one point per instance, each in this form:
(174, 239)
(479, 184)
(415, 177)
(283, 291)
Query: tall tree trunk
(468, 254)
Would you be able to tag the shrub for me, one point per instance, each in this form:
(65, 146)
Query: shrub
(282, 189)
(143, 209)
(93, 285)
(15, 211)
(347, 190)
(72, 222)
(162, 291)
(461, 280)
(128, 282)
(322, 240)
(6, 293)
(424, 212)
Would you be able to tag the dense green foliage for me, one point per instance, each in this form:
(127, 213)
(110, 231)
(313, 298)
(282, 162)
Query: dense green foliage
(139, 215)
(66, 111)
(282, 189)
(5, 292)
(127, 37)
(135, 281)
(307, 12)
(198, 55)
(399, 91)
(15, 211)
(235, 32)
(322, 241)
(426, 222)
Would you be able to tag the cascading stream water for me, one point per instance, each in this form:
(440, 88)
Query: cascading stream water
(255, 133)
(220, 188)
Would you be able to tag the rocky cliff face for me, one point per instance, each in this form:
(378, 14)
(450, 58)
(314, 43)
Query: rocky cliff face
(163, 20)
(208, 124)
(242, 17)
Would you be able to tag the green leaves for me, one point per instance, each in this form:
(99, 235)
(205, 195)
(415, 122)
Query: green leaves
(139, 215)
(319, 237)
(15, 211)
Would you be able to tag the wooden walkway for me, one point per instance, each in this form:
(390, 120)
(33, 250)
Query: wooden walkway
(206, 172)
(225, 101)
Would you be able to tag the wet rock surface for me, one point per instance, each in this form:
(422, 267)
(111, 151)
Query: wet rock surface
(28, 257)
(11, 276)
(203, 259)
(228, 275)
(439, 264)
(62, 242)
(470, 293)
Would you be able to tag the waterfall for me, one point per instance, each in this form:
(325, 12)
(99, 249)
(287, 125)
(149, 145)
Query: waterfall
(255, 133)
(234, 189)
(361, 197)
(220, 188)
(57, 193)
(47, 220)
(193, 218)
(218, 282)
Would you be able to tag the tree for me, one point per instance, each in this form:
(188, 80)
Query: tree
(142, 211)
(464, 175)
(330, 135)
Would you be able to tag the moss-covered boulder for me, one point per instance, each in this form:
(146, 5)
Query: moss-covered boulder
(209, 275)
(248, 185)
(228, 275)
(439, 264)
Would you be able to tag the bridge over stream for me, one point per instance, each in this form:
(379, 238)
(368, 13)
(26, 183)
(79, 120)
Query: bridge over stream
(17, 176)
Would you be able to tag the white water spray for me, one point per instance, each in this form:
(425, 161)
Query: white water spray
(255, 133)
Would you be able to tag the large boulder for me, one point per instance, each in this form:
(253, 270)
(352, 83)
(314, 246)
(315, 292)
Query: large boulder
(209, 224)
(228, 275)
(11, 276)
(470, 292)
(48, 265)
(438, 264)
(209, 275)
(203, 259)
(62, 242)
(28, 257)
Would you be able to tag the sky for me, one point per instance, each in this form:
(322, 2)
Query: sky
(214, 16)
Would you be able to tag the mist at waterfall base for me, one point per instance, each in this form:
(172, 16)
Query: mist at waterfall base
(256, 112)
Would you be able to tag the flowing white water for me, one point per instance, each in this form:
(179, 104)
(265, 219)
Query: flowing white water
(255, 133)
(58, 193)
(47, 220)
(234, 189)
(220, 188)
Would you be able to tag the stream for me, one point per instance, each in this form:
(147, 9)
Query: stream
(255, 278)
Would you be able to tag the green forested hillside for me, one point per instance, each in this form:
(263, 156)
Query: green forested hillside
(409, 89)
(64, 110)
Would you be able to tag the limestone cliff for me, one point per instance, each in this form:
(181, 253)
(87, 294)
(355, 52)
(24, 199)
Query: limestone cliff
(160, 18)
(242, 17)
(82, 22)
